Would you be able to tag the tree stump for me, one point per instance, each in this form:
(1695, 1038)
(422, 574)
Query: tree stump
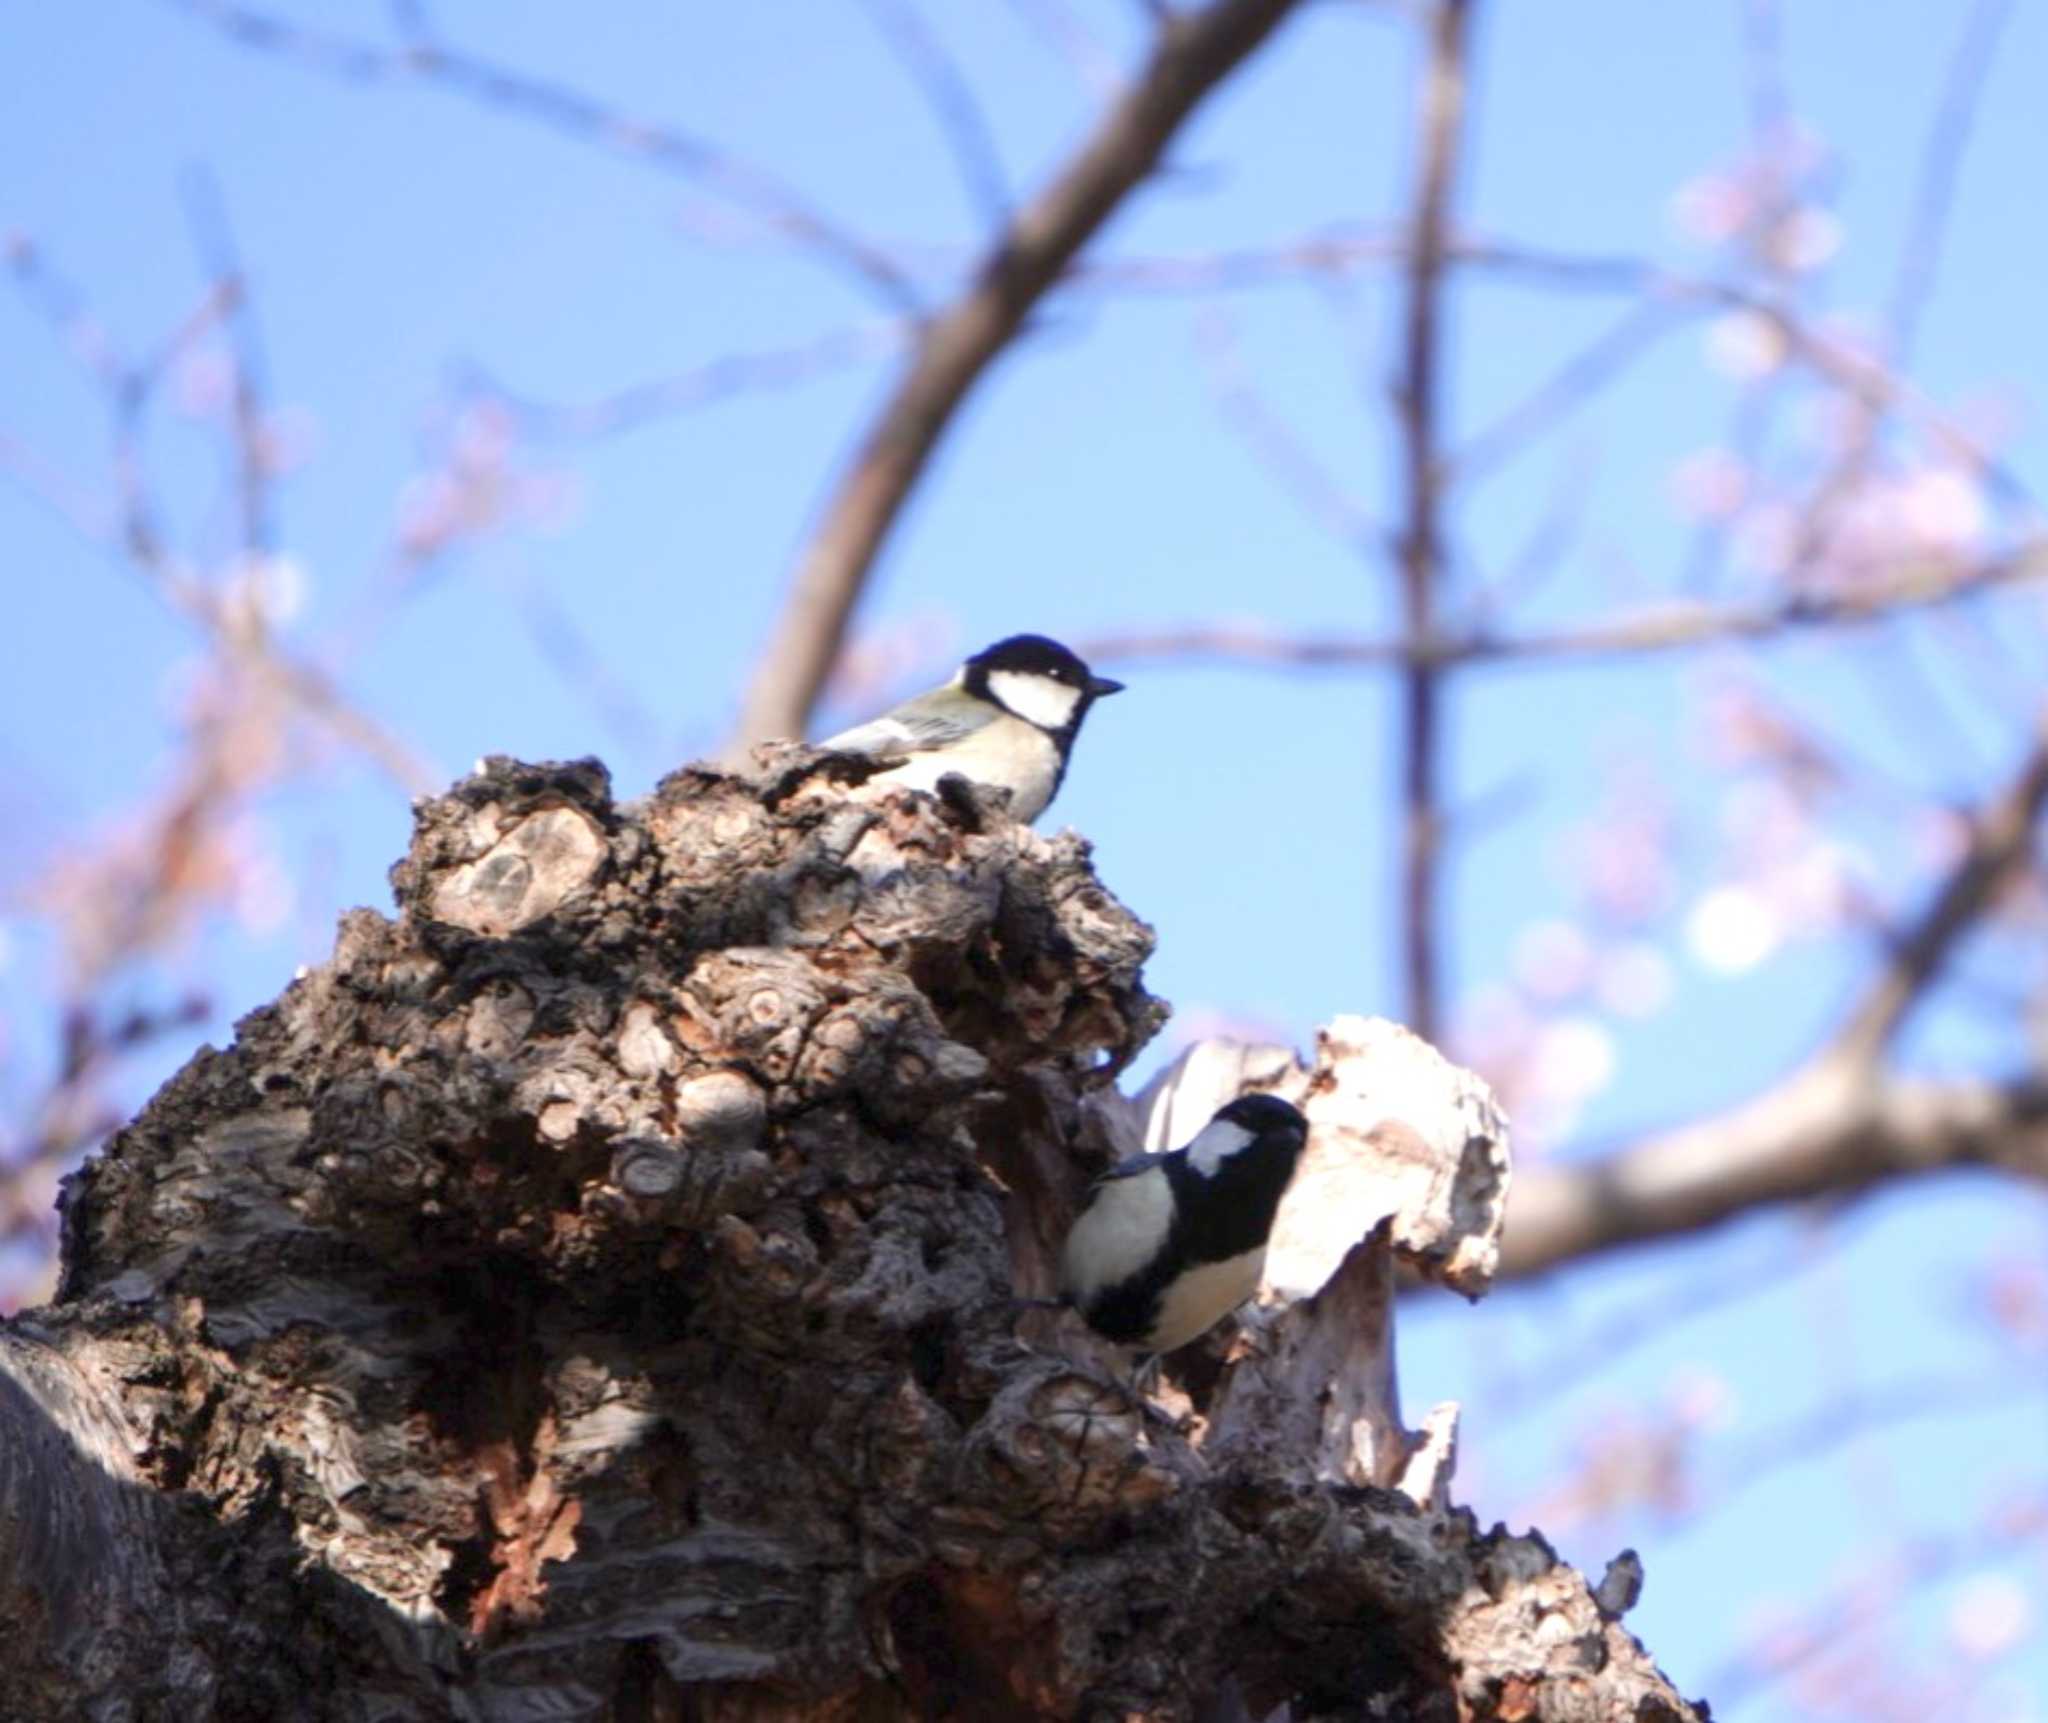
(592, 1294)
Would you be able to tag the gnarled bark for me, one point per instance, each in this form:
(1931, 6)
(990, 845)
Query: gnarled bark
(591, 1294)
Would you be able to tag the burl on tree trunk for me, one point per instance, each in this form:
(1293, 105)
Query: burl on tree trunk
(594, 1293)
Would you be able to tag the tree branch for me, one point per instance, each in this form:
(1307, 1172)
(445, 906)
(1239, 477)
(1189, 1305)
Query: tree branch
(431, 61)
(924, 56)
(2001, 838)
(1838, 1123)
(1669, 628)
(708, 385)
(1821, 1132)
(1420, 550)
(1193, 53)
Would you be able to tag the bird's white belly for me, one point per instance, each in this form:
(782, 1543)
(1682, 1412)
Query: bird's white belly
(1008, 753)
(1203, 1296)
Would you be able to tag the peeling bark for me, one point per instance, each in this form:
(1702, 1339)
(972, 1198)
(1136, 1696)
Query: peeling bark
(592, 1294)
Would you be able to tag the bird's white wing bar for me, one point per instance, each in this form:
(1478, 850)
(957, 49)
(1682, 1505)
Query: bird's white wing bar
(935, 720)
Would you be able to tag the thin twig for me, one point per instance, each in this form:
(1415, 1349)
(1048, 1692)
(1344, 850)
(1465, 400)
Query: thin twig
(1341, 251)
(1763, 53)
(1192, 55)
(1054, 22)
(1589, 1349)
(1420, 549)
(1941, 160)
(215, 241)
(925, 56)
(2001, 840)
(1806, 1437)
(1669, 628)
(1566, 390)
(667, 147)
(1280, 448)
(131, 529)
(1916, 1564)
(721, 379)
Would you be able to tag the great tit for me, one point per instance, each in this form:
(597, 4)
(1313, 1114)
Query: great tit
(1008, 718)
(1169, 1244)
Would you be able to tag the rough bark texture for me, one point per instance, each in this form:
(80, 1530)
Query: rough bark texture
(590, 1294)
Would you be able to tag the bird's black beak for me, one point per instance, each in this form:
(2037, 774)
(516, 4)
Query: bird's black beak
(1101, 685)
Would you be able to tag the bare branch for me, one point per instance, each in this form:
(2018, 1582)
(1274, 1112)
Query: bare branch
(667, 147)
(1054, 23)
(1941, 164)
(41, 479)
(1940, 167)
(924, 55)
(1825, 1130)
(2001, 840)
(707, 385)
(1883, 1581)
(1838, 1123)
(1193, 53)
(1570, 387)
(1280, 448)
(1587, 1349)
(1763, 47)
(1667, 628)
(251, 435)
(1340, 251)
(1420, 550)
(130, 528)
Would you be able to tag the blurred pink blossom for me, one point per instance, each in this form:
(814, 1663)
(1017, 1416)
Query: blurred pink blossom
(1553, 959)
(1746, 345)
(1635, 980)
(1710, 484)
(480, 487)
(1990, 1615)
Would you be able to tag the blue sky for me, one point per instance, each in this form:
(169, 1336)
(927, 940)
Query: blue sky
(399, 237)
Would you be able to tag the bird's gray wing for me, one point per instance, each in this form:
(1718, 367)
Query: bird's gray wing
(1133, 1165)
(934, 720)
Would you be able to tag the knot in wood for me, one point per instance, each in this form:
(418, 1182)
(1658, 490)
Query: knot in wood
(526, 876)
(647, 1167)
(644, 1047)
(722, 1106)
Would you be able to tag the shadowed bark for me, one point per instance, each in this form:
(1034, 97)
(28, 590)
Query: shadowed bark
(591, 1294)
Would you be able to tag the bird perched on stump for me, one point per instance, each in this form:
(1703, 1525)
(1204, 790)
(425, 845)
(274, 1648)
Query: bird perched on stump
(1008, 718)
(1169, 1244)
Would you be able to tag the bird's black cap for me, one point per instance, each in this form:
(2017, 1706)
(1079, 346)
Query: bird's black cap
(1039, 655)
(1264, 1115)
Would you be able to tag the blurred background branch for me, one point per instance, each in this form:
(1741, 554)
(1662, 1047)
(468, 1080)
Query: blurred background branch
(1192, 53)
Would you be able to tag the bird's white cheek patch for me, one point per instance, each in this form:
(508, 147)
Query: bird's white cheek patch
(1118, 1233)
(1214, 1144)
(1039, 699)
(1202, 1297)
